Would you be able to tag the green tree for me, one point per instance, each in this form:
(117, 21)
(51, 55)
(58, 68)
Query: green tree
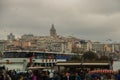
(75, 58)
(104, 58)
(89, 56)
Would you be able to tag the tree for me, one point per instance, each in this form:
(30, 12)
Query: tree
(89, 56)
(75, 58)
(104, 58)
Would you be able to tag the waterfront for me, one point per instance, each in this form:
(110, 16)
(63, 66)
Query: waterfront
(116, 66)
(46, 75)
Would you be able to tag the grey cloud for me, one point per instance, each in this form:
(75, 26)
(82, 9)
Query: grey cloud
(90, 19)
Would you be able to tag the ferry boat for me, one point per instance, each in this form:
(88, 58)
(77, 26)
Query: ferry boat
(21, 60)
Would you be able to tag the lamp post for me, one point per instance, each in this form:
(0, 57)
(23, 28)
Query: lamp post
(82, 60)
(24, 64)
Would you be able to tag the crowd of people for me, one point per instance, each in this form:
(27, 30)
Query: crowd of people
(46, 75)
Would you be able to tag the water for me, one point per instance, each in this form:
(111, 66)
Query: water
(116, 65)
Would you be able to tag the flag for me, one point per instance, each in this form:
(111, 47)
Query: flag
(31, 60)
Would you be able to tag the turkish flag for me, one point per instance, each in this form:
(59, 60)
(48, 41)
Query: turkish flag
(31, 60)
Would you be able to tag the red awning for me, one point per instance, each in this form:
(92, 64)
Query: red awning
(102, 71)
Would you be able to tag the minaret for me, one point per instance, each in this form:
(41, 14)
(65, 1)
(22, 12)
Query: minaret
(53, 31)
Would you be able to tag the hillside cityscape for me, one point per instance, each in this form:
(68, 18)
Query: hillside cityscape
(59, 40)
(58, 43)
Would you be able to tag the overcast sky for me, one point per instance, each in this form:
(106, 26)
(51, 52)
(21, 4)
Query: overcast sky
(96, 20)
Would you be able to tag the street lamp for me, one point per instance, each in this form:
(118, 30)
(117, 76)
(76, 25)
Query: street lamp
(82, 60)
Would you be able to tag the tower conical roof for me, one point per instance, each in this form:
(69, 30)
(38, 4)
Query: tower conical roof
(53, 31)
(52, 28)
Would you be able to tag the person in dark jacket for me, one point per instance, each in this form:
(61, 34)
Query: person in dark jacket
(118, 76)
(1, 77)
(77, 77)
(68, 77)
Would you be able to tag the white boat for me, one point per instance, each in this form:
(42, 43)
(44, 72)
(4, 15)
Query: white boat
(21, 60)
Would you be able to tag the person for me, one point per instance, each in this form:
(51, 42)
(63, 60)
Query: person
(68, 77)
(56, 76)
(7, 77)
(51, 75)
(118, 76)
(77, 77)
(21, 77)
(1, 77)
(88, 76)
(63, 76)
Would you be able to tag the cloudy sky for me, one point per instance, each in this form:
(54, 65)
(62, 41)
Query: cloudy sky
(96, 20)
